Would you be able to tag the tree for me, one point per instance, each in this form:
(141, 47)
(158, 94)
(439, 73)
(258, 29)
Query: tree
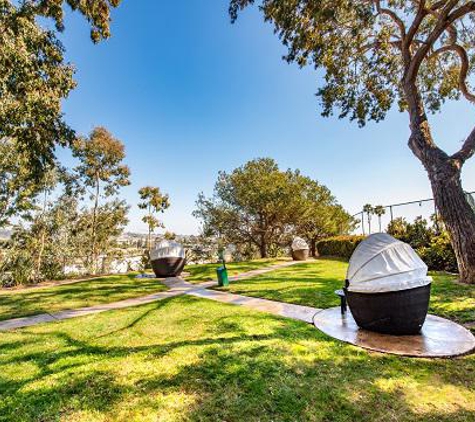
(100, 169)
(369, 210)
(17, 188)
(154, 202)
(319, 214)
(374, 53)
(34, 77)
(252, 205)
(379, 211)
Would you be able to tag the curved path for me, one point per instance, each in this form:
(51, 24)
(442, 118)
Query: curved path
(177, 287)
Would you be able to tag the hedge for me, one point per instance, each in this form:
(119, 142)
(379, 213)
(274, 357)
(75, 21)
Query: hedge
(340, 246)
(438, 255)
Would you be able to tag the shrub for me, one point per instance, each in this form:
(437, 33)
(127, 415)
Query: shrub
(340, 246)
(439, 255)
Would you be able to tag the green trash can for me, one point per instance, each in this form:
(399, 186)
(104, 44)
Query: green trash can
(223, 280)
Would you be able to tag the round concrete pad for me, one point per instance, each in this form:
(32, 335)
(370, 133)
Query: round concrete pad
(439, 338)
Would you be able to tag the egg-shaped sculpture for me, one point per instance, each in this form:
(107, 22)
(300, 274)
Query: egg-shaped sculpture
(167, 259)
(299, 249)
(387, 287)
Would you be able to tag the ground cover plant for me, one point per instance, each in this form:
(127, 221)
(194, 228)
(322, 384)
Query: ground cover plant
(187, 359)
(26, 302)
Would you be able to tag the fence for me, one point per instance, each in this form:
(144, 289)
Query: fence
(408, 210)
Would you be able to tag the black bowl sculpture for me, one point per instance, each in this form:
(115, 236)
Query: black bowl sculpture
(300, 255)
(387, 287)
(167, 259)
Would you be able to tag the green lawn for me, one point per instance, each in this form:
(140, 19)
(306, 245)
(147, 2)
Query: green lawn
(313, 283)
(20, 303)
(187, 359)
(205, 272)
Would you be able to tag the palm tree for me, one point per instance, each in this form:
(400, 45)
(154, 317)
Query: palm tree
(379, 210)
(368, 209)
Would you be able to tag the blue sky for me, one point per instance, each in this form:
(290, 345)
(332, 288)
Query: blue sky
(190, 94)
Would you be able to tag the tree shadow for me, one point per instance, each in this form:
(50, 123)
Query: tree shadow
(240, 365)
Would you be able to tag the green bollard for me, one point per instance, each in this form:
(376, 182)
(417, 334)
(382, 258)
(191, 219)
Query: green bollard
(223, 280)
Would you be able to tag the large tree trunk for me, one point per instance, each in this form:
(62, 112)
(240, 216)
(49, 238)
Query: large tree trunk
(263, 249)
(444, 175)
(457, 214)
(313, 247)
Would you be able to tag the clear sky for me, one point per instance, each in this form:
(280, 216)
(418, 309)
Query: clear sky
(190, 94)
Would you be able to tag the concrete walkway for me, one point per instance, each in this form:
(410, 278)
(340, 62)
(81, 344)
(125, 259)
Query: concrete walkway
(178, 287)
(301, 313)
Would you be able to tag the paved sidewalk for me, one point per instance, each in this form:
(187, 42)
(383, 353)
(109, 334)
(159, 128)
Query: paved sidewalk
(11, 324)
(179, 287)
(301, 313)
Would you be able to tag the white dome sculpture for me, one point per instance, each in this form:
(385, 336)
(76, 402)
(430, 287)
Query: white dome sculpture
(167, 249)
(299, 249)
(299, 244)
(381, 263)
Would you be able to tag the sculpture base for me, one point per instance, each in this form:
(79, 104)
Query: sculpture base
(439, 337)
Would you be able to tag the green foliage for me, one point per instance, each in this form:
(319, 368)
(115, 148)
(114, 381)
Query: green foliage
(258, 208)
(368, 48)
(439, 254)
(34, 77)
(320, 215)
(18, 188)
(100, 168)
(430, 240)
(339, 246)
(154, 202)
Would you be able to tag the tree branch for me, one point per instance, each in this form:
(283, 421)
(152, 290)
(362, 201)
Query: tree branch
(464, 67)
(467, 150)
(420, 15)
(445, 20)
(391, 14)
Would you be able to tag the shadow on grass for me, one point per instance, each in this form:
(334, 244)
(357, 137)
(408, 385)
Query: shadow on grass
(224, 363)
(70, 296)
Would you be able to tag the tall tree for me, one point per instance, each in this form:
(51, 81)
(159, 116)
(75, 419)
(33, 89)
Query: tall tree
(34, 77)
(369, 210)
(379, 211)
(101, 171)
(253, 204)
(154, 202)
(319, 214)
(417, 53)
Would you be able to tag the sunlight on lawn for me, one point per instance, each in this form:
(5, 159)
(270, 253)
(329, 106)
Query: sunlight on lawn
(20, 303)
(188, 359)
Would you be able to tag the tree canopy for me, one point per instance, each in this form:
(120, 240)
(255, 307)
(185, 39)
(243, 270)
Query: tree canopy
(371, 49)
(34, 76)
(260, 207)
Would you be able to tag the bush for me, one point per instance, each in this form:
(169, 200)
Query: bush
(439, 255)
(340, 246)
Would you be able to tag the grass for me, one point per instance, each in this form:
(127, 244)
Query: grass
(21, 303)
(313, 283)
(206, 272)
(188, 359)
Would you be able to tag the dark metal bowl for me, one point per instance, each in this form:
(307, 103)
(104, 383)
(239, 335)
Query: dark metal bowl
(168, 267)
(300, 255)
(401, 312)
